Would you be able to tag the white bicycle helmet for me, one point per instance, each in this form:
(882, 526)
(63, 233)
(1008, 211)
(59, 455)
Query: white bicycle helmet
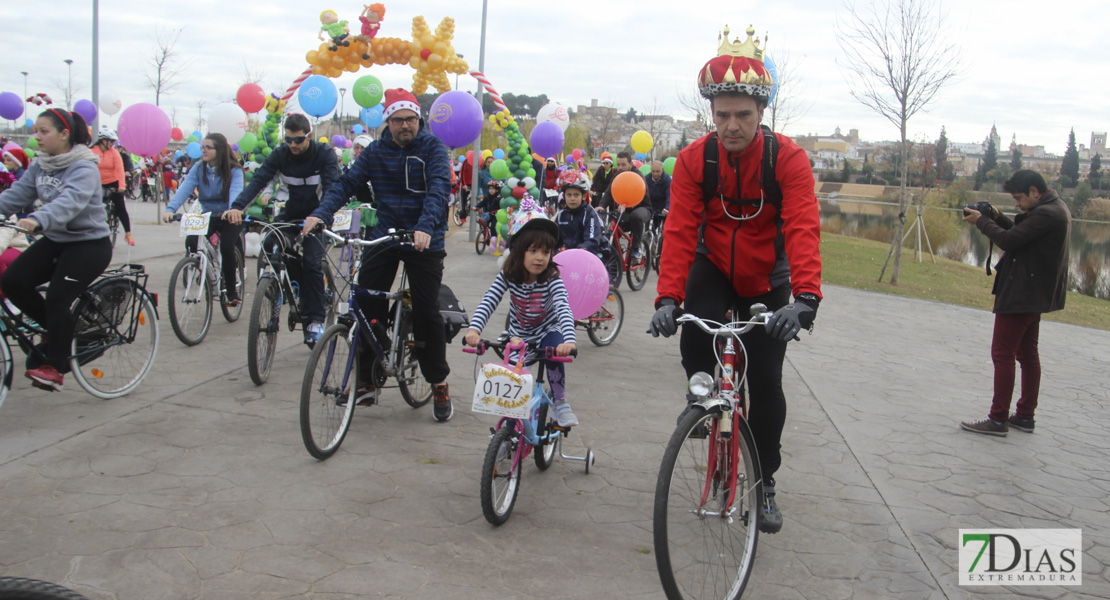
(107, 133)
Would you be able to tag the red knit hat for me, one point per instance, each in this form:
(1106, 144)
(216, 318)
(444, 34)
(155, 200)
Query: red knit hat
(18, 156)
(399, 99)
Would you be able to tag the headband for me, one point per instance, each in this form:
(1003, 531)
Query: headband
(67, 121)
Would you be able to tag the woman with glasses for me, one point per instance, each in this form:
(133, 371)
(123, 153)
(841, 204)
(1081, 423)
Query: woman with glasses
(217, 179)
(112, 178)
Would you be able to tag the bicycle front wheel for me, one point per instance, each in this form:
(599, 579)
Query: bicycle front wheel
(190, 302)
(705, 535)
(544, 453)
(615, 269)
(328, 392)
(20, 588)
(414, 388)
(115, 337)
(604, 325)
(638, 268)
(231, 313)
(500, 475)
(263, 329)
(7, 366)
(481, 240)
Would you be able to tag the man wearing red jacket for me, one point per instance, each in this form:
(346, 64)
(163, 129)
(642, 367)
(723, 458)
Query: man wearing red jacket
(749, 238)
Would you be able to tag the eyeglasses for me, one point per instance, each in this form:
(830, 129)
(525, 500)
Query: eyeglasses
(207, 147)
(398, 121)
(296, 140)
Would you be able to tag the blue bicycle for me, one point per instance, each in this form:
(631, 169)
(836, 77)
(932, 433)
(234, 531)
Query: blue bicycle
(516, 436)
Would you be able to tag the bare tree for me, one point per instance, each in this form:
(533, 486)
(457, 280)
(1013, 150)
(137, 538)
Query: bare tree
(897, 57)
(69, 89)
(654, 122)
(164, 66)
(791, 101)
(249, 74)
(607, 124)
(691, 99)
(200, 114)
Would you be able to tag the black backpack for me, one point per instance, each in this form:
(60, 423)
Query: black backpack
(772, 192)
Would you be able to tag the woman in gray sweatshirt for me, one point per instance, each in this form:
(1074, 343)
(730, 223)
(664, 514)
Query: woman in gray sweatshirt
(74, 248)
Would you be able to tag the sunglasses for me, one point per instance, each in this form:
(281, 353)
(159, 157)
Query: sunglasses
(296, 140)
(398, 121)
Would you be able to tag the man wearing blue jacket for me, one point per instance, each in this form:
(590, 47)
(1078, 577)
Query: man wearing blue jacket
(409, 169)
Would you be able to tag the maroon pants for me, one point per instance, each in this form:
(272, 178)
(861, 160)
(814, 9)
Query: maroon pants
(1015, 338)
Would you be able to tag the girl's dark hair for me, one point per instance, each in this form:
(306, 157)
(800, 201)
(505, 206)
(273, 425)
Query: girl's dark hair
(63, 119)
(223, 164)
(514, 270)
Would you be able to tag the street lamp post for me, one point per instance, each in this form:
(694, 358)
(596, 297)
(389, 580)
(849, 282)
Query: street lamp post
(25, 115)
(69, 90)
(342, 96)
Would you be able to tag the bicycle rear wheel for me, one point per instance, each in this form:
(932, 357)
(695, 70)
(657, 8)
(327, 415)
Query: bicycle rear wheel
(700, 553)
(481, 240)
(414, 389)
(232, 313)
(656, 249)
(20, 588)
(190, 302)
(263, 329)
(7, 366)
(604, 325)
(115, 337)
(615, 268)
(328, 392)
(500, 475)
(638, 268)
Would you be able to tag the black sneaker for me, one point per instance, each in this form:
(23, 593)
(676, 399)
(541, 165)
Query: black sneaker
(770, 519)
(1020, 424)
(441, 409)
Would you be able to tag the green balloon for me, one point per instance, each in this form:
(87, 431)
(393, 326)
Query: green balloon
(266, 151)
(32, 143)
(502, 216)
(503, 231)
(191, 139)
(645, 168)
(499, 169)
(368, 91)
(519, 174)
(535, 192)
(523, 152)
(531, 173)
(248, 142)
(30, 153)
(346, 157)
(506, 192)
(668, 165)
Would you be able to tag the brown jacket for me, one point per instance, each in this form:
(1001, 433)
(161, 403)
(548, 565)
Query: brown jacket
(1032, 274)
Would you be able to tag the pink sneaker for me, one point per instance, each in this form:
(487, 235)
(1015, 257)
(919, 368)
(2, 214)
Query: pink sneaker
(46, 377)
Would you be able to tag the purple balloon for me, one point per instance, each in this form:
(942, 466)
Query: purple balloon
(144, 129)
(456, 119)
(11, 106)
(547, 138)
(86, 109)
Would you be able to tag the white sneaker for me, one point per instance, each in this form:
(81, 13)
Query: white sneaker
(564, 416)
(315, 330)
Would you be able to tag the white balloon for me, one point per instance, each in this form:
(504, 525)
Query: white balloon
(230, 120)
(512, 182)
(110, 103)
(554, 112)
(529, 183)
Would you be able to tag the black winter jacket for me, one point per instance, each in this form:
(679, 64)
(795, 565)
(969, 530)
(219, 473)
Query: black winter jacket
(307, 176)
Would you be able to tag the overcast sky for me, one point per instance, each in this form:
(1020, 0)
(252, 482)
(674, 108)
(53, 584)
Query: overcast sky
(1034, 71)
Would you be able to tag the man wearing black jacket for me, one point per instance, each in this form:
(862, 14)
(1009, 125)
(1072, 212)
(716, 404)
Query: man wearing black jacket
(634, 216)
(306, 168)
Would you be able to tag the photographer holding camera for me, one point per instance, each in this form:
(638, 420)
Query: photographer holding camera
(1031, 279)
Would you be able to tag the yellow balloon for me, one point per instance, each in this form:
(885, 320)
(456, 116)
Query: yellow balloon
(322, 140)
(642, 142)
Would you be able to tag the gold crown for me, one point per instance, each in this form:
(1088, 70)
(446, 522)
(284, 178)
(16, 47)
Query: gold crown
(749, 48)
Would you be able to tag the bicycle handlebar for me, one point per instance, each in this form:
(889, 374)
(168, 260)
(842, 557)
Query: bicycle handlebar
(401, 235)
(548, 352)
(759, 314)
(17, 228)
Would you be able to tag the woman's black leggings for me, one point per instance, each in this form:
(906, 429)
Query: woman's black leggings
(229, 242)
(69, 267)
(113, 195)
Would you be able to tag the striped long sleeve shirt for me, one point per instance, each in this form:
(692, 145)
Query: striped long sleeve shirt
(534, 309)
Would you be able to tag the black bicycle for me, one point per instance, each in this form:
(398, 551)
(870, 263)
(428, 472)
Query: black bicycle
(195, 280)
(21, 588)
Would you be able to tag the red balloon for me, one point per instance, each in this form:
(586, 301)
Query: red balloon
(251, 98)
(518, 192)
(176, 134)
(470, 156)
(577, 154)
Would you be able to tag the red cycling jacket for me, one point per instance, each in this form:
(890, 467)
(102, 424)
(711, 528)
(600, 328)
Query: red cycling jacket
(743, 250)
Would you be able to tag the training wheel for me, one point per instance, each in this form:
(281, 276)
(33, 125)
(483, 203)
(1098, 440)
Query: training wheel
(589, 460)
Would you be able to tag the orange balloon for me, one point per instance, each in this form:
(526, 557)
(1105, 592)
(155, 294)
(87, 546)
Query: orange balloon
(311, 56)
(628, 189)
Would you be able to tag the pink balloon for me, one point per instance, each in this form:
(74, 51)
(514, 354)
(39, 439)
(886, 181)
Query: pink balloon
(144, 129)
(586, 280)
(10, 146)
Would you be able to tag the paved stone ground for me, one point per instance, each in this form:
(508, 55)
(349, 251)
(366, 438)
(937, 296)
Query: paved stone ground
(198, 485)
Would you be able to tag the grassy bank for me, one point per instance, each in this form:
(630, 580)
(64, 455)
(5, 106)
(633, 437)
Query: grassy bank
(855, 263)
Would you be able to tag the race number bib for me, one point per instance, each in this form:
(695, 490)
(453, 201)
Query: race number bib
(503, 392)
(195, 224)
(343, 220)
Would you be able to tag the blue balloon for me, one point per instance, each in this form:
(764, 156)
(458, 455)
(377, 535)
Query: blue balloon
(198, 134)
(372, 117)
(357, 129)
(28, 123)
(498, 154)
(641, 155)
(774, 71)
(193, 150)
(178, 154)
(318, 96)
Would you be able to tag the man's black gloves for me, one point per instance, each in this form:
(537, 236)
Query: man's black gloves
(791, 319)
(663, 322)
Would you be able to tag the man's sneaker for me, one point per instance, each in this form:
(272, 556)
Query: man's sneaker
(987, 426)
(46, 377)
(441, 403)
(636, 254)
(1021, 424)
(564, 416)
(313, 333)
(770, 519)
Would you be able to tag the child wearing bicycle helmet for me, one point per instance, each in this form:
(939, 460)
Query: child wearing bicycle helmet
(539, 310)
(579, 224)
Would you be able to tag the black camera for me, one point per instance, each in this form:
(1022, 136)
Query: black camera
(982, 206)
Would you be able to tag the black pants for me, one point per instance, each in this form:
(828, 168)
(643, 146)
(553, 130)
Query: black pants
(633, 221)
(425, 273)
(709, 295)
(313, 248)
(230, 241)
(113, 196)
(70, 268)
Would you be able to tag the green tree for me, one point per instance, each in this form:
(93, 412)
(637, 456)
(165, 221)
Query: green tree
(846, 172)
(867, 172)
(1015, 159)
(944, 171)
(989, 162)
(1070, 166)
(1081, 197)
(1095, 175)
(683, 142)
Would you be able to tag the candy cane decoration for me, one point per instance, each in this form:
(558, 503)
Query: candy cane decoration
(296, 84)
(482, 79)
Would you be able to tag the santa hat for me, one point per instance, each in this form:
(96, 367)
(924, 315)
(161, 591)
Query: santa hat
(399, 99)
(738, 67)
(18, 156)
